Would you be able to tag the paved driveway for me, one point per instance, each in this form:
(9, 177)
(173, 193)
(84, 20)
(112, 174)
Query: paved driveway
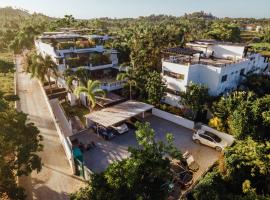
(106, 152)
(55, 181)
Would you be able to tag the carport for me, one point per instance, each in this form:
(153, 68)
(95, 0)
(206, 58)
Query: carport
(119, 113)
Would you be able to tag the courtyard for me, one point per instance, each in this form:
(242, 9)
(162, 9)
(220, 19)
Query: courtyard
(105, 152)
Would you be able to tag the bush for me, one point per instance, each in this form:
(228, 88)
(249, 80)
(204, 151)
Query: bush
(65, 45)
(100, 59)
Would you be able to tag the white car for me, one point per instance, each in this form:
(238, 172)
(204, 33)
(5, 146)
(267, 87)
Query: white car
(120, 128)
(209, 139)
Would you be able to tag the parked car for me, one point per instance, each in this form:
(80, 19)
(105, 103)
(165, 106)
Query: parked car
(120, 128)
(210, 139)
(107, 134)
(181, 174)
(132, 121)
(191, 163)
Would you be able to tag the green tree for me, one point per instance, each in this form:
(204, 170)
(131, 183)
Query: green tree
(41, 68)
(138, 177)
(92, 90)
(20, 142)
(250, 118)
(226, 105)
(155, 88)
(129, 77)
(225, 31)
(248, 160)
(195, 98)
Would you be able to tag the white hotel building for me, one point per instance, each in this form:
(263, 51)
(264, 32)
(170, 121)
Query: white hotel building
(79, 50)
(218, 65)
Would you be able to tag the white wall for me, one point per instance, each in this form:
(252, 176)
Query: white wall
(227, 51)
(172, 83)
(45, 49)
(172, 100)
(173, 118)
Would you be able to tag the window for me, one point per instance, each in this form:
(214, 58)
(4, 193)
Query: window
(206, 137)
(213, 136)
(174, 75)
(224, 78)
(174, 92)
(242, 72)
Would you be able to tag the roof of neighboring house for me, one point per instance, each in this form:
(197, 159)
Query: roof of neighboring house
(181, 50)
(110, 116)
(59, 35)
(212, 42)
(109, 99)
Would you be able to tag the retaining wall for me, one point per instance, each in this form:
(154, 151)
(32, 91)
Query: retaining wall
(61, 129)
(173, 118)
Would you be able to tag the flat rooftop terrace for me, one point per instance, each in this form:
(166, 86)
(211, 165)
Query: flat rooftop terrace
(192, 60)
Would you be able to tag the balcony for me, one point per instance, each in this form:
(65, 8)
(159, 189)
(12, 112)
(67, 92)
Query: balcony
(110, 86)
(92, 62)
(86, 44)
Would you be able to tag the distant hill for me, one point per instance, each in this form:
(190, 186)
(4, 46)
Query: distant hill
(9, 14)
(13, 13)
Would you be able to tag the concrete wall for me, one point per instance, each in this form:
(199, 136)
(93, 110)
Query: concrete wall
(172, 100)
(176, 84)
(62, 136)
(227, 51)
(173, 118)
(45, 49)
(190, 124)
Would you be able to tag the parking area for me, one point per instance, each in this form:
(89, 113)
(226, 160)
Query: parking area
(98, 158)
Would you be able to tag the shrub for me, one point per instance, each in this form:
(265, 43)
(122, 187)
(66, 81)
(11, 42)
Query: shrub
(65, 45)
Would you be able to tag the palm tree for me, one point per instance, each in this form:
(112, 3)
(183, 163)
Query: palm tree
(129, 77)
(41, 68)
(69, 82)
(92, 90)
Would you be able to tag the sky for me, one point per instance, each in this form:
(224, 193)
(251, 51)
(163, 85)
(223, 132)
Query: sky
(85, 9)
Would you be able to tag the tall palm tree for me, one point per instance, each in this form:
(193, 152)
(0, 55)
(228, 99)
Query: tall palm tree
(41, 68)
(92, 90)
(129, 77)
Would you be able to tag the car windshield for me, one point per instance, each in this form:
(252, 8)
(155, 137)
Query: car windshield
(212, 135)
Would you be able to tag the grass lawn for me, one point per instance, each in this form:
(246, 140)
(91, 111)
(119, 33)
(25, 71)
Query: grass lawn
(7, 79)
(79, 111)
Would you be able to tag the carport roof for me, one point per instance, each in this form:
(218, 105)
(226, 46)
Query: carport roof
(118, 113)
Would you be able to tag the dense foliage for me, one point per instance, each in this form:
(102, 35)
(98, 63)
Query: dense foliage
(195, 98)
(19, 143)
(155, 88)
(243, 171)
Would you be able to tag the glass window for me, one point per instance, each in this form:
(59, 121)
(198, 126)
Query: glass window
(224, 78)
(206, 137)
(212, 135)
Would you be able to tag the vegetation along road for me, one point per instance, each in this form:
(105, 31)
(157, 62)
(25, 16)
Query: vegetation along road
(54, 181)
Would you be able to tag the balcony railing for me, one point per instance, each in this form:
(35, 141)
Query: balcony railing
(109, 86)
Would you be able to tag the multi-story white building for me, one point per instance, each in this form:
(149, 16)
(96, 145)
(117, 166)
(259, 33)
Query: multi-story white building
(220, 66)
(70, 50)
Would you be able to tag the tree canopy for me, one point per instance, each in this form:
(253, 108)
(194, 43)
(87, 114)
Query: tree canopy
(20, 142)
(195, 97)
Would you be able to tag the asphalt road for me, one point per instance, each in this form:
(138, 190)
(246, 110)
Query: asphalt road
(55, 181)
